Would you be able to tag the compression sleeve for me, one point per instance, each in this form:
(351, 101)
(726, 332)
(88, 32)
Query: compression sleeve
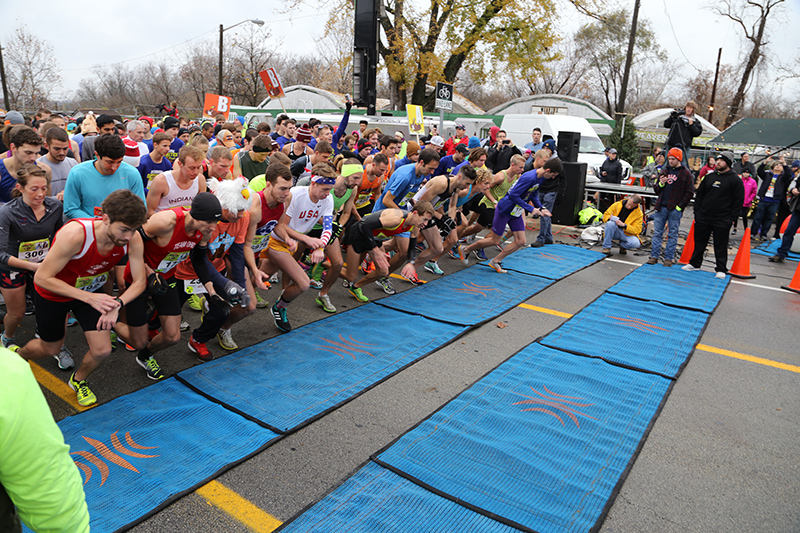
(412, 249)
(204, 270)
(367, 226)
(327, 228)
(342, 129)
(236, 254)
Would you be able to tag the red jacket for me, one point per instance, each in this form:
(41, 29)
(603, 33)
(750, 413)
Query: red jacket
(450, 145)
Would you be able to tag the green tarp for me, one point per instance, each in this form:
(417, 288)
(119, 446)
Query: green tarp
(764, 131)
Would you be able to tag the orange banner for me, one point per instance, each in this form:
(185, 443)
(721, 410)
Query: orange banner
(272, 83)
(216, 104)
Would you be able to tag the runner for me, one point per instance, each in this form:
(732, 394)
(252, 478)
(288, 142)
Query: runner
(156, 162)
(254, 163)
(177, 188)
(442, 192)
(343, 209)
(28, 224)
(368, 235)
(169, 236)
(70, 279)
(57, 144)
(267, 209)
(370, 187)
(226, 241)
(24, 144)
(219, 164)
(401, 187)
(307, 206)
(522, 197)
(301, 167)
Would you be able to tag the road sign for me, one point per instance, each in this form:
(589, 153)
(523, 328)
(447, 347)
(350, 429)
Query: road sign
(444, 96)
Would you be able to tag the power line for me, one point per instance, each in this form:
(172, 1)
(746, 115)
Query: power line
(666, 12)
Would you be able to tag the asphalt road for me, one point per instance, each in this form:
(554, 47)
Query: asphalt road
(722, 455)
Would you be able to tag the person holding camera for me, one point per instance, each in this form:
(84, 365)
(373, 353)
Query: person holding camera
(683, 128)
(499, 156)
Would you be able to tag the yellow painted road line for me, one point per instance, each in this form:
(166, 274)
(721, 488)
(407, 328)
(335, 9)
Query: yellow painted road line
(545, 310)
(238, 508)
(751, 358)
(56, 386)
(704, 347)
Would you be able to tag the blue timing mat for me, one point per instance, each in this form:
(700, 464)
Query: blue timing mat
(288, 380)
(140, 451)
(649, 336)
(673, 286)
(541, 442)
(771, 248)
(376, 499)
(468, 297)
(554, 261)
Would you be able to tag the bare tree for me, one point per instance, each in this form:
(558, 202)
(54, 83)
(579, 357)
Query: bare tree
(31, 69)
(751, 16)
(248, 54)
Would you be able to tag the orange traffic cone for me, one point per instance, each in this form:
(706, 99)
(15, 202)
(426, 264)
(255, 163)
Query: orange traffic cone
(794, 286)
(741, 264)
(688, 247)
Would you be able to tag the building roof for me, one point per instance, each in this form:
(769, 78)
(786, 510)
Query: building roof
(763, 131)
(576, 106)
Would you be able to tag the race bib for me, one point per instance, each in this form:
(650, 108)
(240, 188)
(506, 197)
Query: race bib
(91, 283)
(408, 198)
(34, 251)
(151, 177)
(517, 211)
(363, 199)
(194, 287)
(260, 242)
(171, 261)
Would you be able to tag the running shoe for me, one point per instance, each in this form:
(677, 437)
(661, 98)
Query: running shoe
(184, 326)
(274, 278)
(480, 254)
(82, 391)
(315, 284)
(324, 301)
(316, 275)
(30, 309)
(125, 343)
(358, 294)
(280, 318)
(151, 367)
(64, 358)
(113, 340)
(200, 348)
(386, 285)
(71, 320)
(688, 267)
(452, 253)
(414, 280)
(367, 266)
(460, 253)
(720, 275)
(498, 268)
(5, 340)
(261, 303)
(226, 340)
(196, 302)
(433, 268)
(2, 300)
(347, 284)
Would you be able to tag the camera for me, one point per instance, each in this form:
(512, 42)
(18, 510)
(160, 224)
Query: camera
(677, 112)
(506, 141)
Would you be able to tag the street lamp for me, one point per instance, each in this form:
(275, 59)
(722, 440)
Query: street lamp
(221, 30)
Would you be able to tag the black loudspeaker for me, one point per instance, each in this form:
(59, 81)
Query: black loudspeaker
(366, 24)
(365, 54)
(566, 212)
(568, 146)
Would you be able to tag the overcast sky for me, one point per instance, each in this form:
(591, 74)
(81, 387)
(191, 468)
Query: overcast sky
(112, 32)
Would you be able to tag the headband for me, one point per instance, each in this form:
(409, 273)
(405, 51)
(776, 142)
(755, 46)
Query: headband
(349, 170)
(322, 180)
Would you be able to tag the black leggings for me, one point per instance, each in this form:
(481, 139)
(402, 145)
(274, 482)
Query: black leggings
(743, 214)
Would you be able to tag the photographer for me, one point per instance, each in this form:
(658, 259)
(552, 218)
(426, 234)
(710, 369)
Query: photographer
(499, 154)
(683, 128)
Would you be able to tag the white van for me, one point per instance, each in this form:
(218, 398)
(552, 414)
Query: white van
(519, 129)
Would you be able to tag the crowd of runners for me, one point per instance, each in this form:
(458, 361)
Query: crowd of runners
(116, 225)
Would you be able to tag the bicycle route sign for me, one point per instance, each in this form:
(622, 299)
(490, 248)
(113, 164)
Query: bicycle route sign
(444, 96)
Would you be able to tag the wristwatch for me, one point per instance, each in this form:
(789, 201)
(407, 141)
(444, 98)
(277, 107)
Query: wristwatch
(120, 302)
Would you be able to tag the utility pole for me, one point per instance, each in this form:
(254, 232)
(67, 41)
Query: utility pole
(628, 60)
(3, 76)
(714, 89)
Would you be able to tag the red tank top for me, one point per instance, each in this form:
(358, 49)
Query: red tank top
(269, 219)
(165, 259)
(384, 234)
(88, 269)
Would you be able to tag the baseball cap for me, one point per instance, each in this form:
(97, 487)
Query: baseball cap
(226, 139)
(437, 141)
(460, 127)
(462, 149)
(14, 118)
(612, 150)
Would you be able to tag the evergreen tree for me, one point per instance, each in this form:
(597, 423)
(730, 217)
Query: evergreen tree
(626, 144)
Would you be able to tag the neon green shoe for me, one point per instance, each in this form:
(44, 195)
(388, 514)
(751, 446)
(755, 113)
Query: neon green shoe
(261, 303)
(196, 302)
(358, 294)
(113, 340)
(82, 391)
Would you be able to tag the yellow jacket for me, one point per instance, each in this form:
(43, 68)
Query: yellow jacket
(634, 221)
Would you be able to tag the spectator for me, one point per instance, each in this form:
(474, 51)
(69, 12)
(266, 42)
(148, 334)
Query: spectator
(744, 165)
(718, 202)
(623, 221)
(459, 138)
(710, 166)
(772, 189)
(652, 169)
(675, 187)
(750, 188)
(783, 210)
(611, 169)
(536, 143)
(683, 128)
(794, 222)
(499, 154)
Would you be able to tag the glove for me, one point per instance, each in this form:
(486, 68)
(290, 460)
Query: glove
(156, 284)
(234, 294)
